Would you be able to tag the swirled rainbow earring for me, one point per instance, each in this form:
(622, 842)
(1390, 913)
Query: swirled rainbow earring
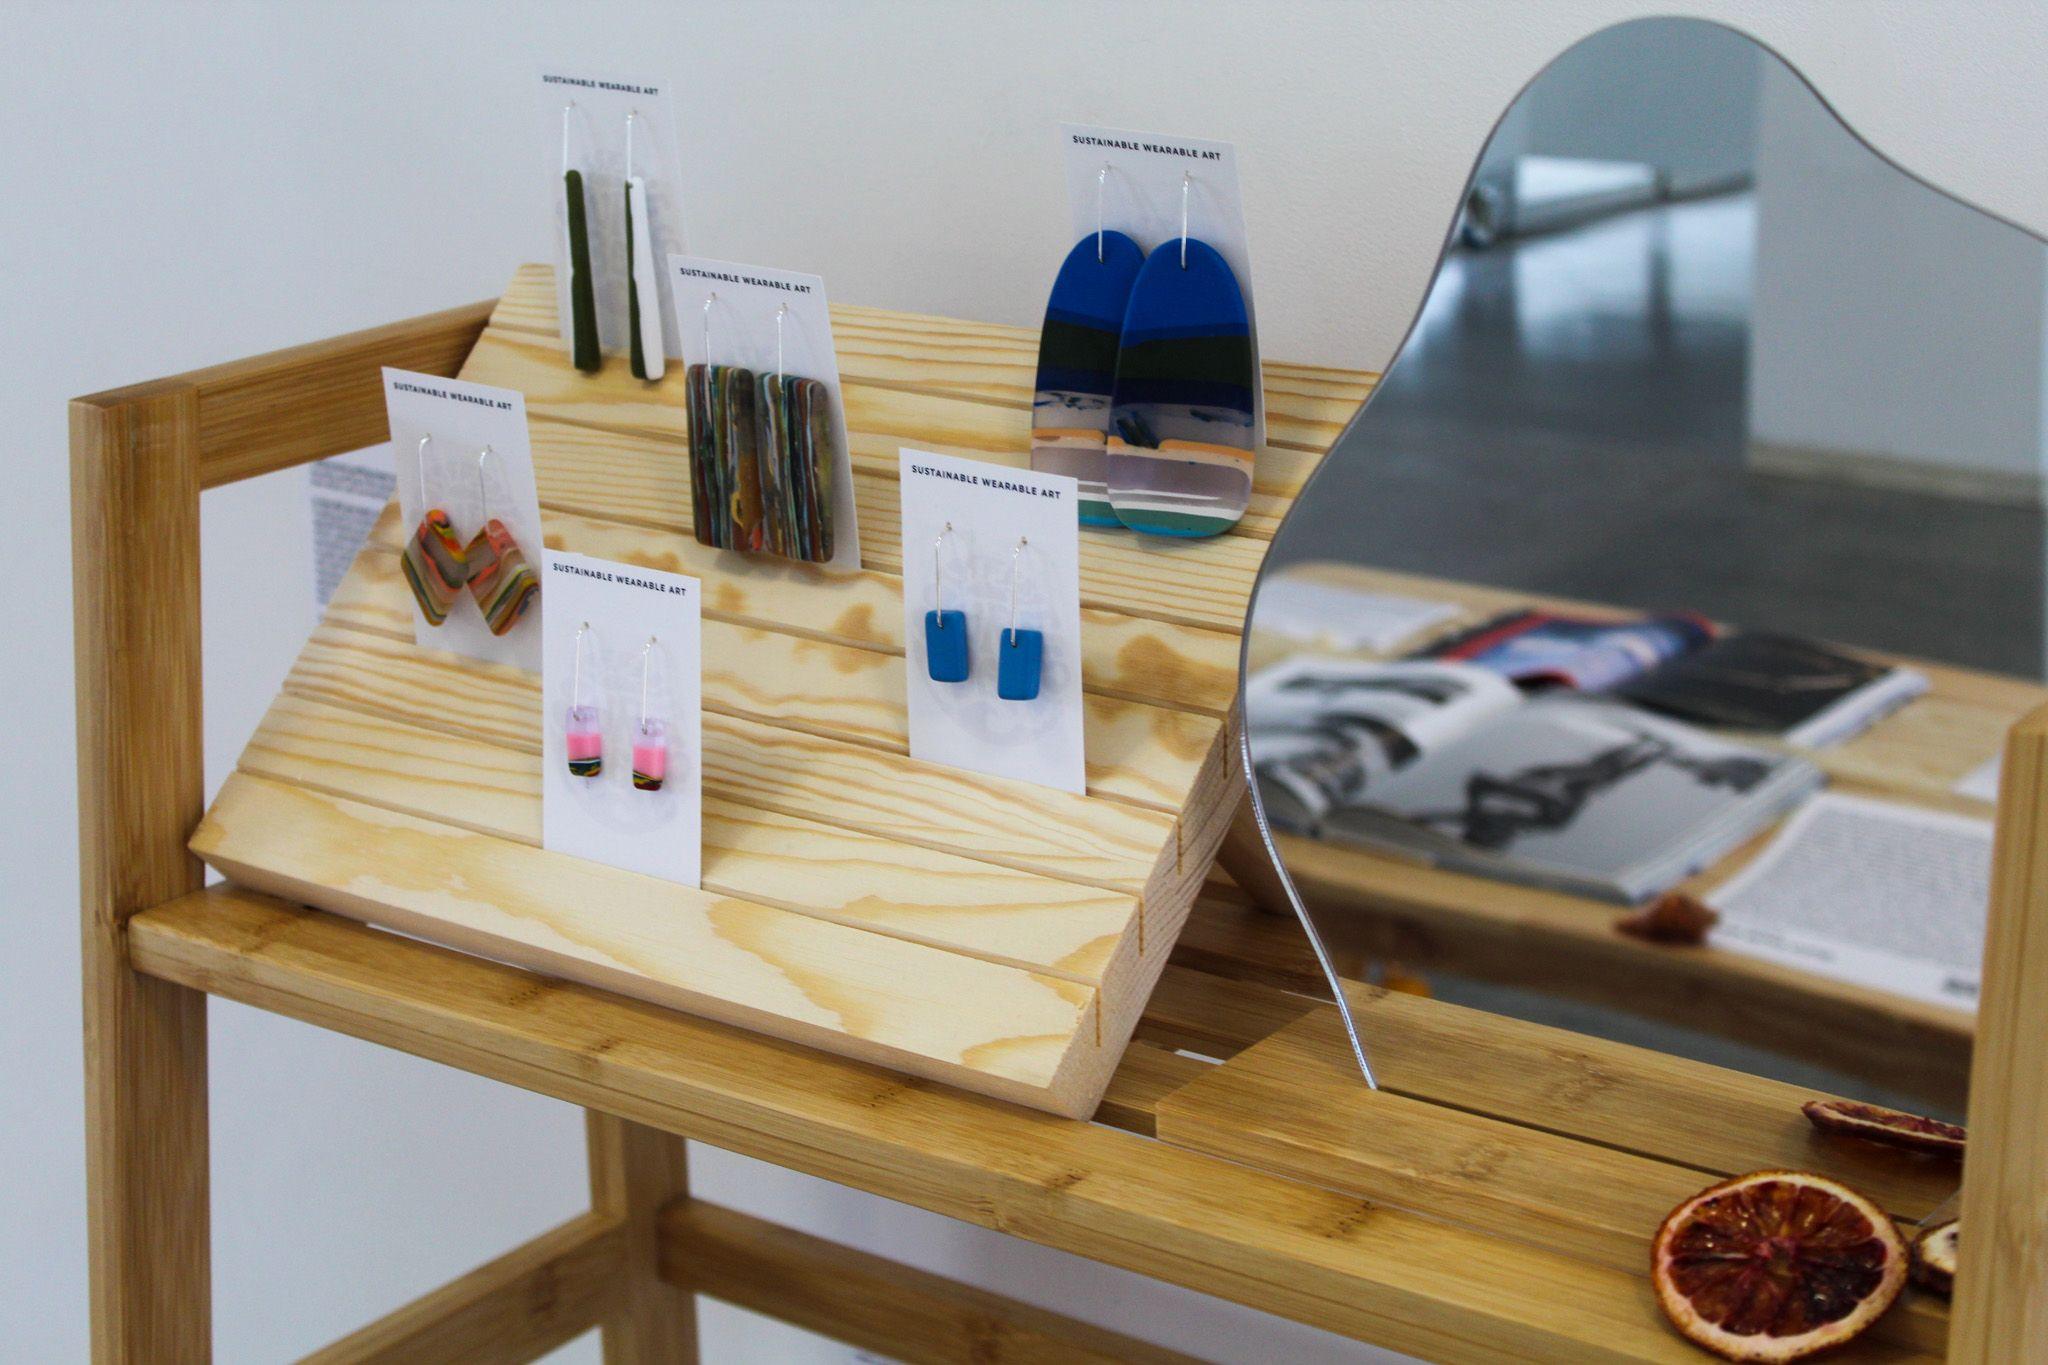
(500, 579)
(650, 736)
(582, 727)
(433, 560)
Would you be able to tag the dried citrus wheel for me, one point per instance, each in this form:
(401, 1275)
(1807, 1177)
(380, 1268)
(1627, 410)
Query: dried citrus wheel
(1892, 1127)
(1776, 1265)
(1934, 1257)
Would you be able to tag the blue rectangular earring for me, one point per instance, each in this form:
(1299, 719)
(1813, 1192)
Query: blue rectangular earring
(945, 632)
(1019, 652)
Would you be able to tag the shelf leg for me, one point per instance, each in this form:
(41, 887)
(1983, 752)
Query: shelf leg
(141, 786)
(635, 1172)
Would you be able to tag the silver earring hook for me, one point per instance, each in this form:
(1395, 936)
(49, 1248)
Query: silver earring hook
(1186, 178)
(646, 656)
(938, 599)
(1101, 177)
(1016, 558)
(780, 313)
(420, 459)
(483, 492)
(567, 110)
(709, 299)
(630, 116)
(576, 687)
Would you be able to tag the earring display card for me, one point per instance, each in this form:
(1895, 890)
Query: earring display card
(777, 326)
(583, 128)
(639, 685)
(451, 473)
(1011, 558)
(1141, 197)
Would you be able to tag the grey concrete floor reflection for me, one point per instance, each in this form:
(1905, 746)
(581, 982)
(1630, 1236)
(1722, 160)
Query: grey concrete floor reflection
(1569, 417)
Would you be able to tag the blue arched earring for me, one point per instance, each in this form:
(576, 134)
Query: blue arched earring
(1077, 361)
(1020, 653)
(945, 632)
(1179, 455)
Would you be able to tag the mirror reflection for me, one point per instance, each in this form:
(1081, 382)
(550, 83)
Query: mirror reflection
(1638, 659)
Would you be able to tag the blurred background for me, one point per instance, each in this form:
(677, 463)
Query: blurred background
(197, 182)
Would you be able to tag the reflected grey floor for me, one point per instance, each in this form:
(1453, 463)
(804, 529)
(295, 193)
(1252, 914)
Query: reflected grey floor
(1569, 418)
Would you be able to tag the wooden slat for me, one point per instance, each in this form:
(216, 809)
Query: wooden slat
(2002, 1278)
(135, 585)
(637, 1172)
(518, 1307)
(1319, 1257)
(876, 1304)
(1147, 1074)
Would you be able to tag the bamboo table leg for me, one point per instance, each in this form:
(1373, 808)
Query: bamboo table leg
(141, 787)
(636, 1171)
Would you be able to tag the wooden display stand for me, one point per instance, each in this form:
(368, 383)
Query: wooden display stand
(1492, 1202)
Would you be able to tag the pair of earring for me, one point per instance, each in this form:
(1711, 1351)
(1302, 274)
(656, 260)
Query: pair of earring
(643, 295)
(438, 566)
(762, 450)
(1020, 654)
(584, 728)
(1147, 383)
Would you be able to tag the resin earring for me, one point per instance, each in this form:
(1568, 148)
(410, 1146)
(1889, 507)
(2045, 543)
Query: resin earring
(1020, 652)
(798, 449)
(650, 736)
(945, 632)
(584, 348)
(434, 561)
(1179, 455)
(1077, 352)
(725, 467)
(582, 728)
(643, 293)
(500, 579)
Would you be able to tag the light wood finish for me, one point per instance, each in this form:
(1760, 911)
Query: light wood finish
(992, 934)
(876, 1304)
(536, 1297)
(1369, 905)
(2002, 1272)
(636, 1173)
(135, 576)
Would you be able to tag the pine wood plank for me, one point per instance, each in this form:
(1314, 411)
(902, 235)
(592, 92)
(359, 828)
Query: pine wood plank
(2002, 1276)
(875, 1304)
(636, 1174)
(516, 1307)
(1317, 1256)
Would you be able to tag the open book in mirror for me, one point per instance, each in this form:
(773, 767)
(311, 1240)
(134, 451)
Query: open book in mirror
(1638, 660)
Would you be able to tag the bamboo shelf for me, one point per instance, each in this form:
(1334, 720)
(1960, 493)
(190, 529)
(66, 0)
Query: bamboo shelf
(1493, 1202)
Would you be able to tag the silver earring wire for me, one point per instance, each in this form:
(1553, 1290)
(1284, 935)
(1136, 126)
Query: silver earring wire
(1101, 177)
(576, 687)
(779, 314)
(1185, 178)
(709, 299)
(483, 492)
(646, 653)
(1016, 558)
(420, 459)
(567, 109)
(938, 599)
(630, 116)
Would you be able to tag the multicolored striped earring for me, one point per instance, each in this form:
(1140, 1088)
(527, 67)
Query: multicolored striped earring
(650, 737)
(945, 632)
(1021, 652)
(500, 579)
(1180, 455)
(583, 729)
(434, 561)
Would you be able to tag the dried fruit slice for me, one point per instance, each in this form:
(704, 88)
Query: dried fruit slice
(1892, 1127)
(1934, 1257)
(1776, 1265)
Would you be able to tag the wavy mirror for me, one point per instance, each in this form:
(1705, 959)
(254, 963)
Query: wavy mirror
(1638, 659)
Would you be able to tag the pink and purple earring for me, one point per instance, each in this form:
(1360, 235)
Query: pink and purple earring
(434, 562)
(650, 736)
(583, 728)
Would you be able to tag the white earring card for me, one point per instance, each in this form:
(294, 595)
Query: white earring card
(583, 120)
(771, 322)
(441, 430)
(625, 655)
(1141, 197)
(986, 547)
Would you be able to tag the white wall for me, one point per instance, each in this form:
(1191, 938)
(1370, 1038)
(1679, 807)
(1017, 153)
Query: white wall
(191, 183)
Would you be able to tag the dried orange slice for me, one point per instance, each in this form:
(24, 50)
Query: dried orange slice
(1893, 1127)
(1934, 1257)
(1776, 1265)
